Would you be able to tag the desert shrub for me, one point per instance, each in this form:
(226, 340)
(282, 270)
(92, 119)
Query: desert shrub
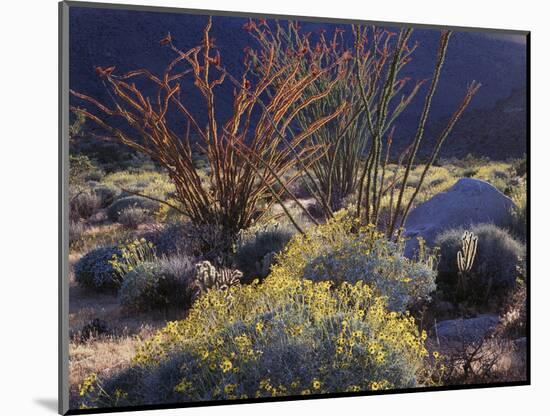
(179, 272)
(121, 204)
(206, 241)
(94, 270)
(302, 187)
(337, 253)
(169, 213)
(81, 169)
(470, 172)
(107, 194)
(254, 343)
(84, 205)
(513, 321)
(132, 254)
(95, 175)
(104, 268)
(256, 249)
(494, 267)
(498, 174)
(159, 284)
(519, 166)
(94, 329)
(139, 288)
(133, 217)
(171, 239)
(517, 221)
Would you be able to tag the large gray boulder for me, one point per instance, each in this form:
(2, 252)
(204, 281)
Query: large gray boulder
(466, 203)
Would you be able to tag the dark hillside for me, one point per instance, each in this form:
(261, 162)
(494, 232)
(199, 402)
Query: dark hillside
(130, 40)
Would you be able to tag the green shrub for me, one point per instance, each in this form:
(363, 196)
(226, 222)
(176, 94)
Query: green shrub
(138, 290)
(337, 253)
(133, 217)
(81, 169)
(284, 337)
(121, 204)
(160, 284)
(95, 271)
(495, 265)
(256, 249)
(132, 254)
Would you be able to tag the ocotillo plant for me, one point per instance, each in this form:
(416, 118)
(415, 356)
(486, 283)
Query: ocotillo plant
(380, 118)
(372, 70)
(247, 155)
(335, 175)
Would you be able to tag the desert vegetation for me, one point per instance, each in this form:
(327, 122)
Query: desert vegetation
(278, 248)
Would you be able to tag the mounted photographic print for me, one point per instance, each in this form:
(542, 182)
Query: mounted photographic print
(261, 208)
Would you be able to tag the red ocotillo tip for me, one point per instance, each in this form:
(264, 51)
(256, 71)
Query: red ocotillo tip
(166, 40)
(104, 72)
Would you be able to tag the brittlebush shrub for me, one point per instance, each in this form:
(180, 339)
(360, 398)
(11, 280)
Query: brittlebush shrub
(337, 252)
(286, 336)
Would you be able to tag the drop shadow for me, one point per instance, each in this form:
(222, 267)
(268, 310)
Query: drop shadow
(49, 404)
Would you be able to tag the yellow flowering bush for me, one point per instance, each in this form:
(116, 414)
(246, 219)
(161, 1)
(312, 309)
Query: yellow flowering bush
(286, 336)
(343, 251)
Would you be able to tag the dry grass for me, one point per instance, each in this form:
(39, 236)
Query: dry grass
(105, 355)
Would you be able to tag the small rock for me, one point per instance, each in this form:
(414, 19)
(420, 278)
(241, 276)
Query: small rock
(458, 332)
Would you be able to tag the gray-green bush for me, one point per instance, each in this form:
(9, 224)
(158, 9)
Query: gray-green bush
(256, 249)
(121, 204)
(171, 239)
(84, 205)
(95, 271)
(133, 217)
(495, 264)
(157, 285)
(107, 194)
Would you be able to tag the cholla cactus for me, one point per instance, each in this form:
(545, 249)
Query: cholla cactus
(207, 277)
(465, 257)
